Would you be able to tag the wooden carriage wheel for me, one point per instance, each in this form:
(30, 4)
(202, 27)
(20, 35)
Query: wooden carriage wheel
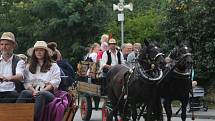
(86, 108)
(105, 113)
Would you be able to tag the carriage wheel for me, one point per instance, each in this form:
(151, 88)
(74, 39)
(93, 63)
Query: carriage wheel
(86, 108)
(105, 113)
(205, 109)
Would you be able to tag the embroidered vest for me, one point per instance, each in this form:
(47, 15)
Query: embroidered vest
(109, 60)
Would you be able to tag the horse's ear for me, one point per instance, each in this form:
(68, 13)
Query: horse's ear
(146, 42)
(191, 44)
(188, 43)
(155, 42)
(177, 43)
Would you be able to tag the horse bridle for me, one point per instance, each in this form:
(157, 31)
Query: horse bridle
(182, 57)
(142, 73)
(152, 63)
(158, 53)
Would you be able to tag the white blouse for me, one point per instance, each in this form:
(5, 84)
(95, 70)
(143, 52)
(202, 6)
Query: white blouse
(93, 56)
(52, 76)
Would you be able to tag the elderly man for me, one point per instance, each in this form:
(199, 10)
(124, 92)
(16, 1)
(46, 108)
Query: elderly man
(132, 56)
(126, 49)
(11, 69)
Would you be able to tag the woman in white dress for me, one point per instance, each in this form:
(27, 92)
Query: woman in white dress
(42, 78)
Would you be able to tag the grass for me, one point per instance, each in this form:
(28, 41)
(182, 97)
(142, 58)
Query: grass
(211, 105)
(178, 104)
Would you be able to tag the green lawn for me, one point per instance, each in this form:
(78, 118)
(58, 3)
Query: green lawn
(177, 104)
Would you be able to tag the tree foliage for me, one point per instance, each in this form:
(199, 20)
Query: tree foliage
(71, 23)
(194, 21)
(144, 22)
(139, 27)
(201, 27)
(74, 24)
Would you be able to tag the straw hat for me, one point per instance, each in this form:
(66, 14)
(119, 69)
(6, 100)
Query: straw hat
(112, 41)
(8, 36)
(39, 44)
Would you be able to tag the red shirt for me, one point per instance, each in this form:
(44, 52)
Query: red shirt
(99, 55)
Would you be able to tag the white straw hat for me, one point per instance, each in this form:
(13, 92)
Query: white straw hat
(39, 44)
(112, 41)
(8, 36)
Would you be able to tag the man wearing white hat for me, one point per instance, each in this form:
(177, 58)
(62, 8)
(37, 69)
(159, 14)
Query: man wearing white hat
(112, 56)
(11, 69)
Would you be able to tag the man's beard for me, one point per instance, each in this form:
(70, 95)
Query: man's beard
(7, 54)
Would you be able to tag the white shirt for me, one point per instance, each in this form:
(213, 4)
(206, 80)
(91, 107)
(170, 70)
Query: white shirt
(6, 70)
(52, 76)
(93, 56)
(114, 58)
(131, 57)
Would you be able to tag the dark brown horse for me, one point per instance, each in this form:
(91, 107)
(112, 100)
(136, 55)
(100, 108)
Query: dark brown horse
(177, 84)
(132, 87)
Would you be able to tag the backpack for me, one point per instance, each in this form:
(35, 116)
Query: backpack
(67, 74)
(55, 110)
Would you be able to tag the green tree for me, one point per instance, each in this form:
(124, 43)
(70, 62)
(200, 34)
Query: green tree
(73, 24)
(139, 27)
(194, 21)
(201, 27)
(143, 22)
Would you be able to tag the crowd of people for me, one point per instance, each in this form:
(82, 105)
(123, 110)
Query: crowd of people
(108, 54)
(38, 75)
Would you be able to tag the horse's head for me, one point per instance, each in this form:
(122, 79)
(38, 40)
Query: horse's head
(152, 61)
(182, 54)
(151, 56)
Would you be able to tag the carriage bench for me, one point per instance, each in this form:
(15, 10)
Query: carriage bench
(16, 111)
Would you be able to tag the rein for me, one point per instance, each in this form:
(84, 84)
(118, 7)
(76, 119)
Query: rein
(182, 73)
(142, 73)
(173, 68)
(159, 54)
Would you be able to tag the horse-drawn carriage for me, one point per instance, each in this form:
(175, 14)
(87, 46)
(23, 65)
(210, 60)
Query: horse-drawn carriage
(90, 89)
(90, 86)
(137, 91)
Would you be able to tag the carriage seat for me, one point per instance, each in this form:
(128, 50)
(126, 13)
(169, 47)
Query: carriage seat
(86, 69)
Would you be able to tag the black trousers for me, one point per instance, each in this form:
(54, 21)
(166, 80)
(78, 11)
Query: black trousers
(8, 96)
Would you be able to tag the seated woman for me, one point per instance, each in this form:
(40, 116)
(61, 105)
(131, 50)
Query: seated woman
(42, 78)
(94, 49)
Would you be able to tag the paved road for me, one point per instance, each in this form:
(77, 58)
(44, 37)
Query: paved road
(96, 116)
(199, 115)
